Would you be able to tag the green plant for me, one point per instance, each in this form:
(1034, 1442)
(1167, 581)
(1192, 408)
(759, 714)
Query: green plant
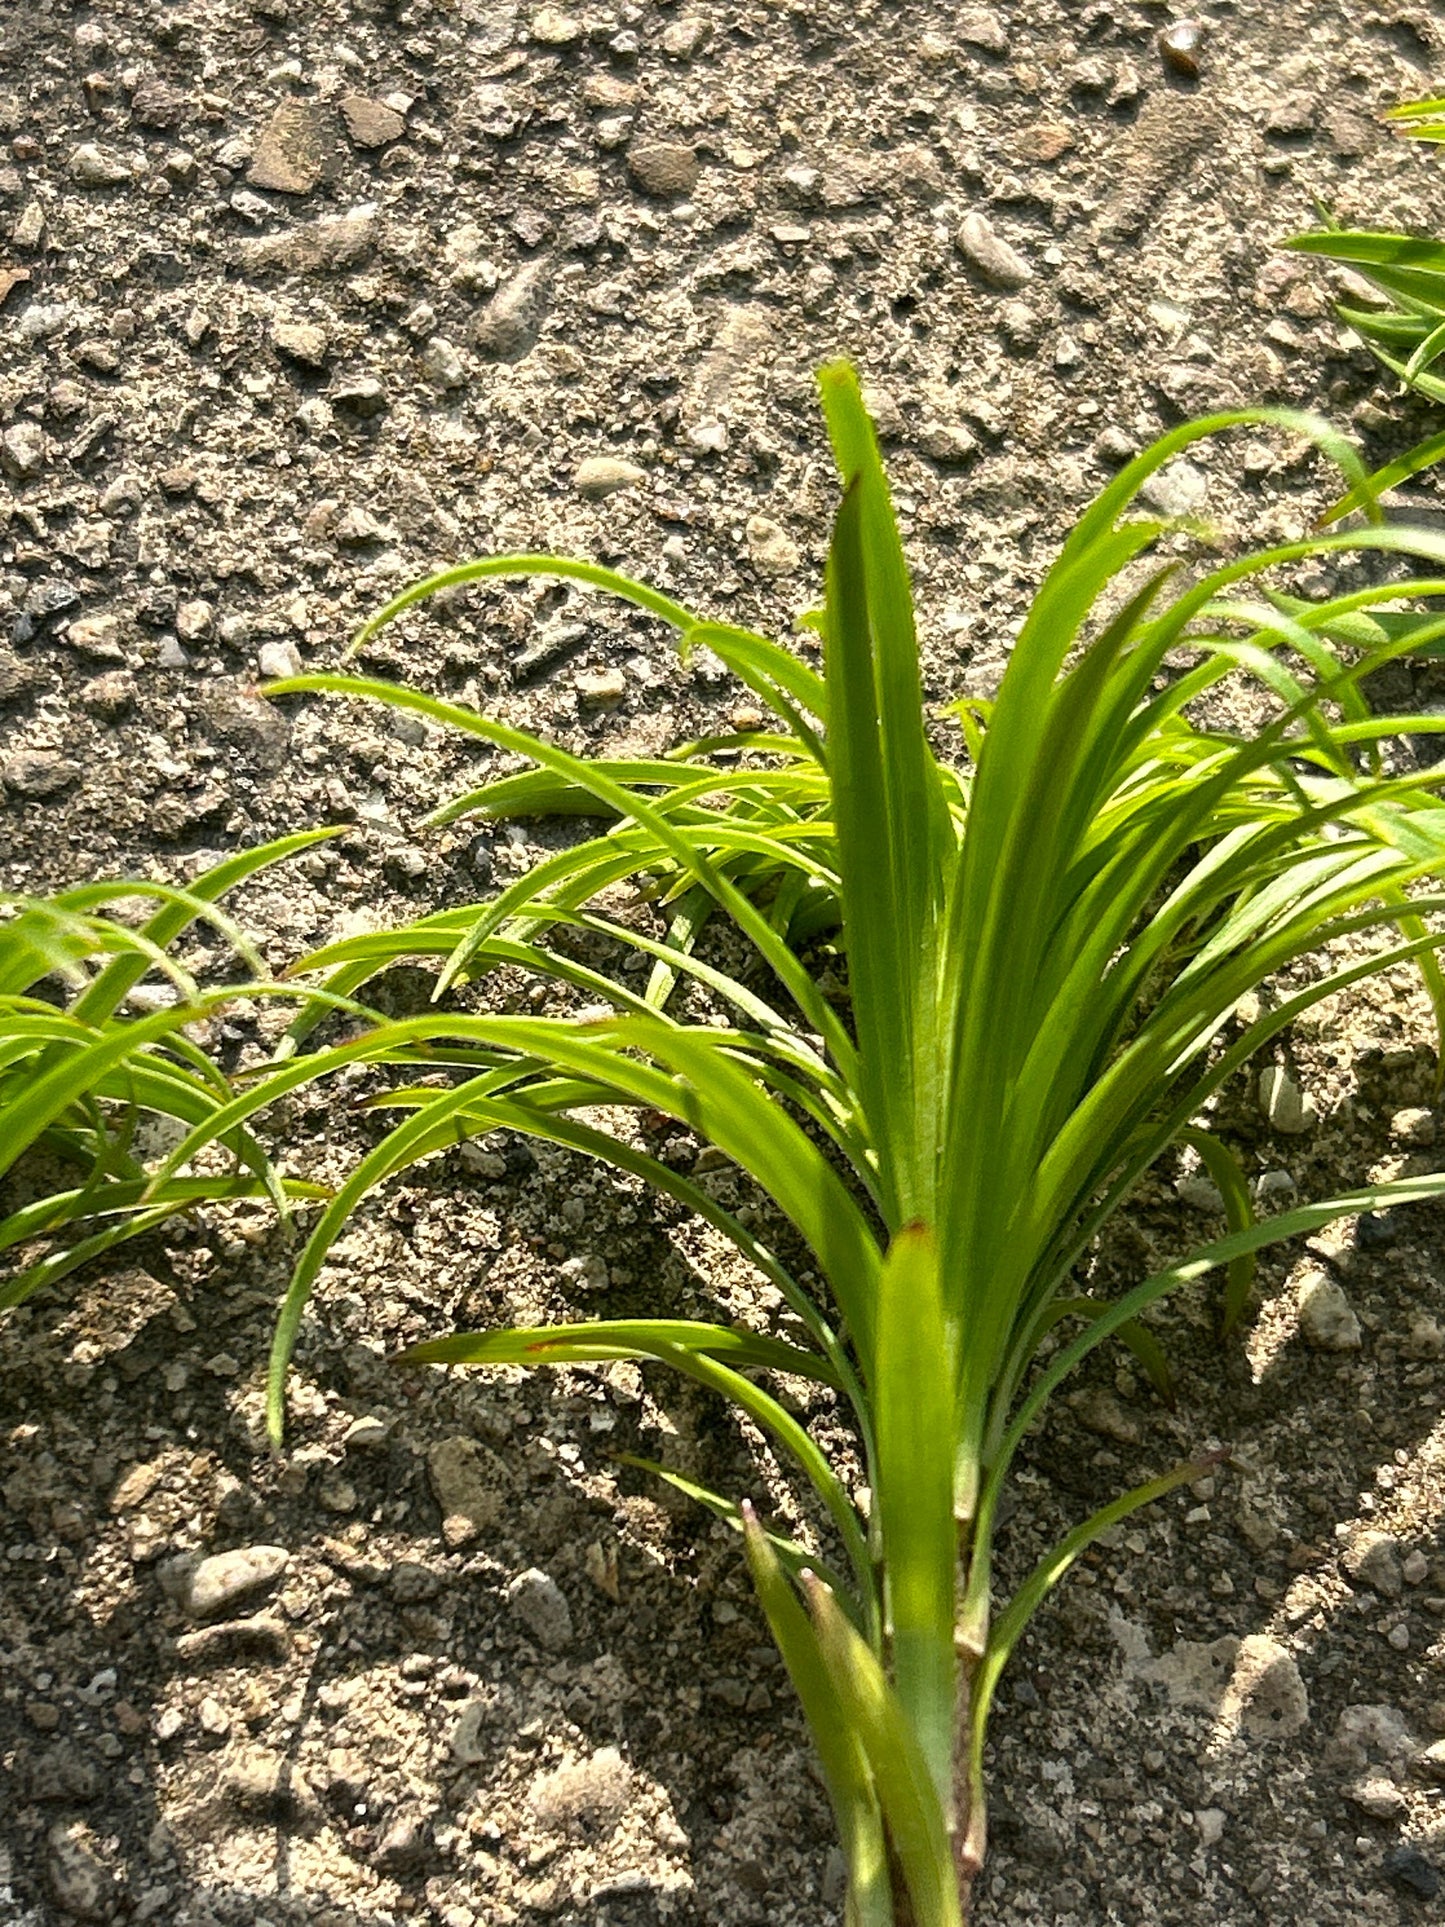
(1407, 333)
(1046, 943)
(83, 1070)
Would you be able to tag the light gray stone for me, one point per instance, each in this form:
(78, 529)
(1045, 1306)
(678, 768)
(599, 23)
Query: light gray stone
(539, 1604)
(1374, 1561)
(1001, 265)
(1284, 1103)
(94, 166)
(1177, 489)
(508, 327)
(771, 549)
(226, 1577)
(442, 364)
(602, 475)
(1327, 1320)
(465, 1483)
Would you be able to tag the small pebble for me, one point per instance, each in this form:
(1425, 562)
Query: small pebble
(995, 260)
(218, 1582)
(1413, 1127)
(1374, 1560)
(276, 660)
(363, 397)
(601, 688)
(303, 341)
(1283, 1103)
(1179, 44)
(23, 450)
(1376, 1230)
(1210, 1822)
(1378, 1797)
(552, 27)
(984, 29)
(370, 123)
(1273, 1187)
(110, 696)
(539, 1603)
(1327, 1320)
(771, 550)
(602, 475)
(93, 166)
(442, 364)
(664, 169)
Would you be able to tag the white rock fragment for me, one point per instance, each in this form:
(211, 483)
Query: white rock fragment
(771, 549)
(193, 620)
(442, 365)
(602, 475)
(218, 1582)
(1326, 1319)
(1283, 1103)
(540, 1604)
(22, 450)
(1413, 1127)
(601, 688)
(1377, 1797)
(1266, 1695)
(278, 659)
(987, 251)
(1374, 1561)
(93, 166)
(1210, 1822)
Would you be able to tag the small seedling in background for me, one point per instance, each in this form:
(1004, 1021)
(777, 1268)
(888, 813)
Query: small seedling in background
(1406, 332)
(88, 1065)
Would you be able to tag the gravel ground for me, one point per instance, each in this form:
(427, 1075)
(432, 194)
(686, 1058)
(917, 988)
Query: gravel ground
(301, 299)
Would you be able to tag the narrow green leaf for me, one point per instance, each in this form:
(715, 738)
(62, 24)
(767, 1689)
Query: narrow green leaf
(913, 1393)
(619, 1338)
(917, 1825)
(846, 1772)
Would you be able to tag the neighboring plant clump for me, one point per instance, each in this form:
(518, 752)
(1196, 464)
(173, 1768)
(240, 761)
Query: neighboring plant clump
(1045, 941)
(1406, 332)
(92, 1059)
